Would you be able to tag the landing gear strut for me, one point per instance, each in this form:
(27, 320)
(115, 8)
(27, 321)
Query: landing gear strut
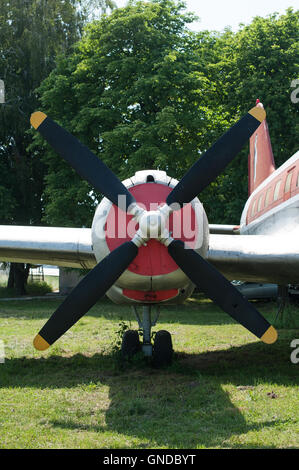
(160, 351)
(282, 301)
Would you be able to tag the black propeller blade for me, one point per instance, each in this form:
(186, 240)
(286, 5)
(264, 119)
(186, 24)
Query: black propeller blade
(221, 291)
(214, 160)
(86, 164)
(85, 294)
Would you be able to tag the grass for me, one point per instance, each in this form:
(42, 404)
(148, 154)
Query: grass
(225, 389)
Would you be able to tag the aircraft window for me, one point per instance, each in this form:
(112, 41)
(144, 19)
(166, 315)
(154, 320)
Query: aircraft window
(268, 194)
(253, 208)
(259, 207)
(276, 191)
(287, 187)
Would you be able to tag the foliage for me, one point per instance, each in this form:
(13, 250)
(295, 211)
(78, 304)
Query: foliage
(38, 288)
(142, 91)
(6, 292)
(91, 8)
(32, 289)
(32, 33)
(134, 92)
(259, 61)
(123, 326)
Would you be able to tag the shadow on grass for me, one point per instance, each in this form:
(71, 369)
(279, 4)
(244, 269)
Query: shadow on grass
(183, 406)
(195, 311)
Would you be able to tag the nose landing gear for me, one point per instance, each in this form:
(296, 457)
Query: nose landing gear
(160, 351)
(130, 343)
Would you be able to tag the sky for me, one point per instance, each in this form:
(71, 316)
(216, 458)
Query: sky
(217, 14)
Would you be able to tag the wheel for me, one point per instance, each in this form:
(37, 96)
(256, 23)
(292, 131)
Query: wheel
(162, 350)
(130, 343)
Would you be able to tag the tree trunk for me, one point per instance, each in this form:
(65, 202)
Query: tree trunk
(18, 275)
(11, 276)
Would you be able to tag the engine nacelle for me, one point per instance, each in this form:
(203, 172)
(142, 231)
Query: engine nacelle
(153, 276)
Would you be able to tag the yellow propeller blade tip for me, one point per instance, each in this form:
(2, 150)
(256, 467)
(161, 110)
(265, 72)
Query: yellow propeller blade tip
(37, 118)
(258, 113)
(270, 336)
(40, 344)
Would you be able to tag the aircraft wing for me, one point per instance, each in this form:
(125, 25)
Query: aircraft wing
(256, 258)
(59, 246)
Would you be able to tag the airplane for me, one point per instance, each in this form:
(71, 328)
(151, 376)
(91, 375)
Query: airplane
(267, 250)
(150, 241)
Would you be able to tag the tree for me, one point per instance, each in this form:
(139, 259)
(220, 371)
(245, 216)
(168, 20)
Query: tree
(134, 92)
(18, 275)
(91, 8)
(259, 61)
(32, 34)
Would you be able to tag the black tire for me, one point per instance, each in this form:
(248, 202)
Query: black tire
(130, 343)
(162, 349)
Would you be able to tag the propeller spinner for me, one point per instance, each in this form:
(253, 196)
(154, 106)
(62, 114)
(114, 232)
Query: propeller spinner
(152, 225)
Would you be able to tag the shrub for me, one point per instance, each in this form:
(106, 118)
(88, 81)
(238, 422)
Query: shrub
(38, 288)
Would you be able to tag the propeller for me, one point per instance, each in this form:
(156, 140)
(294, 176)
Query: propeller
(221, 291)
(202, 273)
(216, 158)
(86, 164)
(92, 287)
(105, 274)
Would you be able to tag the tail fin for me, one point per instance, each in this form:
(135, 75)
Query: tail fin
(260, 159)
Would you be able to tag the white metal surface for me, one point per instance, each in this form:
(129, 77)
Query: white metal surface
(260, 258)
(58, 246)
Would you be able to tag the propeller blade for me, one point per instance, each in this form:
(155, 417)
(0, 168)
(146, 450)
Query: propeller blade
(86, 164)
(92, 287)
(216, 158)
(221, 291)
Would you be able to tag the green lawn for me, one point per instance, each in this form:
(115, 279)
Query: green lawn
(225, 389)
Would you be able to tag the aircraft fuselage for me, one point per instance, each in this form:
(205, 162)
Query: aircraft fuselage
(273, 208)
